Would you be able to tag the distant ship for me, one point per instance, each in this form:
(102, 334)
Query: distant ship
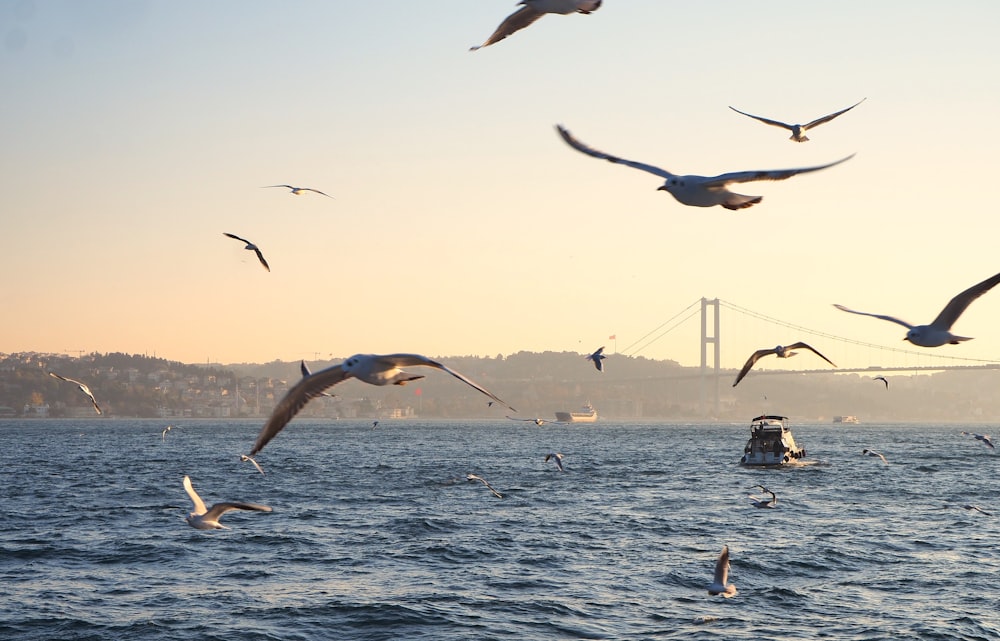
(587, 414)
(845, 419)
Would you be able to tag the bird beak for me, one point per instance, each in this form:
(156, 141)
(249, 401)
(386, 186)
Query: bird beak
(661, 188)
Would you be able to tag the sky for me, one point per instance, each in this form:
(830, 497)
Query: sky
(136, 132)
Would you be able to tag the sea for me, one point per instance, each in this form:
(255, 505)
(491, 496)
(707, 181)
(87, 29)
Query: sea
(377, 534)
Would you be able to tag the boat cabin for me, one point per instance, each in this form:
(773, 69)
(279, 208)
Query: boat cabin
(771, 443)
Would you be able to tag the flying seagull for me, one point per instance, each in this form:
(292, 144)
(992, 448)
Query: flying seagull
(976, 508)
(701, 191)
(163, 434)
(883, 379)
(939, 331)
(474, 477)
(83, 388)
(757, 501)
(252, 247)
(306, 373)
(984, 438)
(536, 421)
(297, 191)
(202, 519)
(875, 454)
(718, 585)
(781, 351)
(799, 131)
(532, 10)
(557, 458)
(245, 458)
(374, 369)
(597, 357)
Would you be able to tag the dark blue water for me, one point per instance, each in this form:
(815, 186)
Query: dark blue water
(377, 535)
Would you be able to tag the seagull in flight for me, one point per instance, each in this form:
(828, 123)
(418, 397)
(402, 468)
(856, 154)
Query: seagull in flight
(208, 519)
(374, 369)
(83, 388)
(781, 351)
(251, 247)
(557, 458)
(297, 191)
(939, 331)
(536, 421)
(883, 379)
(163, 434)
(984, 438)
(700, 191)
(799, 131)
(976, 508)
(757, 501)
(718, 585)
(532, 10)
(245, 458)
(875, 454)
(475, 477)
(597, 357)
(307, 373)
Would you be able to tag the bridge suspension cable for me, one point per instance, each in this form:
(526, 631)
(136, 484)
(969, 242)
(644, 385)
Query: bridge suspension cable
(627, 349)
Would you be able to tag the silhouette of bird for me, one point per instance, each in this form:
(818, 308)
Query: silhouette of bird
(883, 379)
(597, 357)
(208, 519)
(799, 131)
(475, 477)
(719, 585)
(875, 454)
(781, 351)
(83, 388)
(250, 246)
(557, 458)
(532, 10)
(757, 501)
(983, 438)
(297, 191)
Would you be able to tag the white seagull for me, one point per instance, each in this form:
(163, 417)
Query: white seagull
(374, 369)
(976, 508)
(202, 519)
(875, 454)
(251, 247)
(163, 434)
(597, 357)
(718, 585)
(245, 458)
(939, 331)
(701, 191)
(883, 379)
(297, 191)
(557, 458)
(757, 501)
(474, 477)
(799, 131)
(532, 10)
(83, 388)
(536, 421)
(781, 351)
(984, 438)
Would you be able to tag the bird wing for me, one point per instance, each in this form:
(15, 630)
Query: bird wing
(597, 354)
(260, 257)
(269, 186)
(226, 233)
(579, 146)
(801, 345)
(244, 457)
(294, 400)
(516, 21)
(199, 505)
(83, 388)
(722, 567)
(822, 119)
(957, 305)
(765, 174)
(304, 369)
(766, 121)
(219, 509)
(750, 363)
(316, 191)
(888, 318)
(405, 360)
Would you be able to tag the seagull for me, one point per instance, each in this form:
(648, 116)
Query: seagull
(799, 131)
(883, 379)
(536, 421)
(557, 457)
(163, 435)
(297, 191)
(757, 501)
(597, 357)
(939, 331)
(245, 458)
(83, 388)
(374, 369)
(374, 424)
(202, 519)
(976, 508)
(701, 191)
(985, 438)
(718, 585)
(474, 477)
(781, 351)
(252, 247)
(306, 373)
(532, 10)
(874, 453)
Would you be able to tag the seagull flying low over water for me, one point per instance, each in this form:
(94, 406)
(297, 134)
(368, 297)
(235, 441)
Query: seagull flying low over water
(976, 508)
(883, 379)
(297, 191)
(557, 458)
(875, 454)
(374, 369)
(251, 247)
(718, 585)
(532, 10)
(781, 351)
(799, 131)
(757, 501)
(245, 458)
(475, 477)
(306, 373)
(163, 434)
(536, 421)
(208, 519)
(83, 388)
(701, 191)
(983, 438)
(597, 357)
(939, 331)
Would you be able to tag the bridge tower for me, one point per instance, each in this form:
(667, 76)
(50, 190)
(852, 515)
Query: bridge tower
(707, 340)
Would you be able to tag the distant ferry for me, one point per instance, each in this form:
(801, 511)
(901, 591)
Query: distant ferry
(586, 415)
(845, 419)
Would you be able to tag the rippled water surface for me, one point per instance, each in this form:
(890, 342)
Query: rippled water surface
(376, 534)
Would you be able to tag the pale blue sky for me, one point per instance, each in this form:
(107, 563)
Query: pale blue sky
(135, 133)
